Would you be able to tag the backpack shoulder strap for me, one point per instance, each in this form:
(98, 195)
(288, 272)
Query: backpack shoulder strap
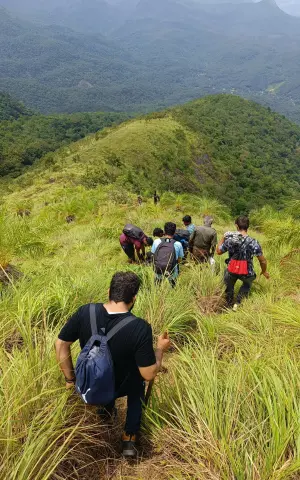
(93, 320)
(119, 326)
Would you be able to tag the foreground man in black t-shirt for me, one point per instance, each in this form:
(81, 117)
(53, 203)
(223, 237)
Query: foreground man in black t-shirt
(131, 348)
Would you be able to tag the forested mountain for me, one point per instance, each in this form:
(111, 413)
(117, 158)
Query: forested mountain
(223, 146)
(11, 109)
(138, 56)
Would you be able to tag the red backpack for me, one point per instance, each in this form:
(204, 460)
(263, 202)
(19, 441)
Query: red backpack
(238, 264)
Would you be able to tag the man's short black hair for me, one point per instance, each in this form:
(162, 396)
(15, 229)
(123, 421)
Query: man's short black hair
(187, 219)
(243, 222)
(149, 241)
(158, 232)
(124, 287)
(170, 228)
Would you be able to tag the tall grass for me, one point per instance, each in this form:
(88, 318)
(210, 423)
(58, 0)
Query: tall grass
(228, 408)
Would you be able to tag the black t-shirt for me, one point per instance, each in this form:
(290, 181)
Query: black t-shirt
(130, 348)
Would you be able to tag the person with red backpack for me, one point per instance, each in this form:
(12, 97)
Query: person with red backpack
(133, 240)
(241, 249)
(167, 253)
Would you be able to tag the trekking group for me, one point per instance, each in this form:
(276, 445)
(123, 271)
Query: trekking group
(117, 355)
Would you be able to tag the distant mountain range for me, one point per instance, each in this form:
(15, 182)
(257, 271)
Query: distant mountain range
(141, 55)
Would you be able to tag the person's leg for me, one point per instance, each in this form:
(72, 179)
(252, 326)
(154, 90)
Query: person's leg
(135, 400)
(129, 250)
(134, 389)
(245, 288)
(230, 281)
(108, 411)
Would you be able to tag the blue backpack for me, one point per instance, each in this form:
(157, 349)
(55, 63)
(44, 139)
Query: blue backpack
(95, 380)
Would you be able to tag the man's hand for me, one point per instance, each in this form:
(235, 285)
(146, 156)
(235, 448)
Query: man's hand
(266, 275)
(163, 345)
(164, 342)
(70, 386)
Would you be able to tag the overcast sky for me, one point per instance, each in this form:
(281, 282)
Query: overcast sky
(291, 6)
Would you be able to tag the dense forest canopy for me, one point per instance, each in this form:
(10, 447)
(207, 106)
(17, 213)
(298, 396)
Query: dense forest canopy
(142, 56)
(27, 137)
(11, 109)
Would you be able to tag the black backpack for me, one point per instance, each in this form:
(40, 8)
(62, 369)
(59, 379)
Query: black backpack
(165, 257)
(134, 232)
(183, 234)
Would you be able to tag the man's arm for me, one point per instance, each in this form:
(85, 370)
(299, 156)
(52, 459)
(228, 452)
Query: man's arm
(180, 254)
(163, 345)
(214, 244)
(141, 253)
(264, 264)
(192, 239)
(68, 335)
(64, 358)
(220, 251)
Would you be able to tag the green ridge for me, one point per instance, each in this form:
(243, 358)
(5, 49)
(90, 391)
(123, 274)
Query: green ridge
(223, 146)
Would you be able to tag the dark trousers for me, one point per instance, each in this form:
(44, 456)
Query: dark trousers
(230, 280)
(129, 250)
(134, 389)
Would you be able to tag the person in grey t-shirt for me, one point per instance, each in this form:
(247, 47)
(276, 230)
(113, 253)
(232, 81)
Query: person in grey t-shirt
(203, 241)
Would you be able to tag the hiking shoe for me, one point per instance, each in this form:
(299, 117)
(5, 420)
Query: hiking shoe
(129, 446)
(235, 307)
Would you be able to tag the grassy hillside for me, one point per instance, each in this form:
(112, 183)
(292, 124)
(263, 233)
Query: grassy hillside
(222, 146)
(227, 406)
(25, 139)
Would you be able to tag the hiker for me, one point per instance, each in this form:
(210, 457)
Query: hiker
(134, 240)
(183, 236)
(158, 232)
(167, 253)
(140, 200)
(187, 222)
(156, 198)
(241, 249)
(130, 347)
(203, 241)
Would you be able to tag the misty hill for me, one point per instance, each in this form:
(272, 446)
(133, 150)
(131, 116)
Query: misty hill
(223, 146)
(53, 68)
(154, 53)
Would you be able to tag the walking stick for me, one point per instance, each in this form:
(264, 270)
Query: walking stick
(149, 391)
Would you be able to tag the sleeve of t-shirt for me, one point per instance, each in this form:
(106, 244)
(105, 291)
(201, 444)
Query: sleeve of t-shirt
(257, 250)
(70, 332)
(180, 251)
(137, 244)
(155, 245)
(224, 247)
(145, 355)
